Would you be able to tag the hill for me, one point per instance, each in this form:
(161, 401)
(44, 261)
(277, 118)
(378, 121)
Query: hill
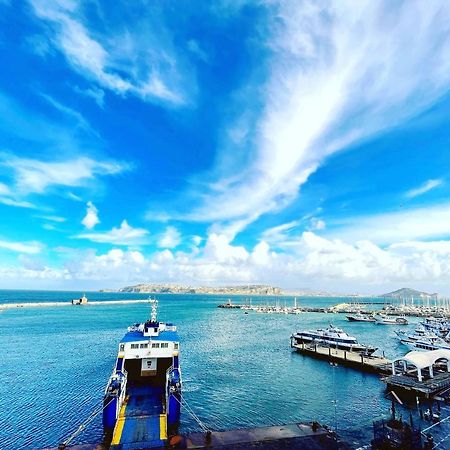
(409, 293)
(255, 289)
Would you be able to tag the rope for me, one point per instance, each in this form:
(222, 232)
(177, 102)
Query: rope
(90, 418)
(189, 409)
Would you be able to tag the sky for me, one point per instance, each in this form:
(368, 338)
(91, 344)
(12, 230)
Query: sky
(303, 144)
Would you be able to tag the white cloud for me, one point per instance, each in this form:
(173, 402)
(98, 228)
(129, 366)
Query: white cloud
(36, 176)
(91, 218)
(403, 225)
(424, 188)
(340, 72)
(21, 247)
(124, 235)
(138, 60)
(171, 238)
(315, 262)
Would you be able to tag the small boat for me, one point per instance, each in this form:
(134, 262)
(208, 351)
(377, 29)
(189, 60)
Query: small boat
(142, 400)
(382, 319)
(331, 337)
(359, 317)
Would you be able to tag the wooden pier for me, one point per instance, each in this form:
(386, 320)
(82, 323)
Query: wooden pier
(427, 388)
(355, 360)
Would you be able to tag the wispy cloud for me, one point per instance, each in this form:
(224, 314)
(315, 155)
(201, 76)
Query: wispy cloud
(331, 62)
(36, 176)
(91, 218)
(431, 222)
(57, 219)
(122, 59)
(75, 116)
(21, 247)
(7, 197)
(97, 94)
(124, 235)
(424, 188)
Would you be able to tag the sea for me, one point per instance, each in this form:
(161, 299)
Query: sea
(238, 369)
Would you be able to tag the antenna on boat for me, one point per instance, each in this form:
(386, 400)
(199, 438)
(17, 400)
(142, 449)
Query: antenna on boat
(154, 304)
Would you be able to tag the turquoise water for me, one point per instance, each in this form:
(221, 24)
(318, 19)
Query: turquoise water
(238, 369)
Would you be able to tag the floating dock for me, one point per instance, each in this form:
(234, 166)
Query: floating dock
(355, 360)
(296, 436)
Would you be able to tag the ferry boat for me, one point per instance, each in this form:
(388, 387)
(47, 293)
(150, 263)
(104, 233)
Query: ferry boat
(359, 317)
(142, 399)
(331, 337)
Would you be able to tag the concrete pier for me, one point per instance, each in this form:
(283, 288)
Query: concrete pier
(295, 436)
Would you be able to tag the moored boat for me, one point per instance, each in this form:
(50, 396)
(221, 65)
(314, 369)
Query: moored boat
(426, 344)
(382, 319)
(142, 399)
(331, 337)
(359, 317)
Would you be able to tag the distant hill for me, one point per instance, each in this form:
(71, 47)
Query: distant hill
(255, 289)
(409, 293)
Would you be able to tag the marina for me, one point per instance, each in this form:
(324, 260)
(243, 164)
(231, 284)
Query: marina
(225, 384)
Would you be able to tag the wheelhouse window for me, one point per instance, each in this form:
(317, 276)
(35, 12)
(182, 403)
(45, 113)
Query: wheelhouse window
(164, 345)
(155, 344)
(134, 345)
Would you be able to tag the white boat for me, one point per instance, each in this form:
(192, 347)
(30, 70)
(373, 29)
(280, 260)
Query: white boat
(439, 326)
(418, 333)
(331, 337)
(359, 317)
(382, 319)
(426, 344)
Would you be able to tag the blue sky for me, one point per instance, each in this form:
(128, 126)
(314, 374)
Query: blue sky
(302, 144)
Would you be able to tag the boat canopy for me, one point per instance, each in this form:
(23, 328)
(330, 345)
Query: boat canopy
(421, 360)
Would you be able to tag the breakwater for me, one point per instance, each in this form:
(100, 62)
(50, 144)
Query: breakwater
(57, 304)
